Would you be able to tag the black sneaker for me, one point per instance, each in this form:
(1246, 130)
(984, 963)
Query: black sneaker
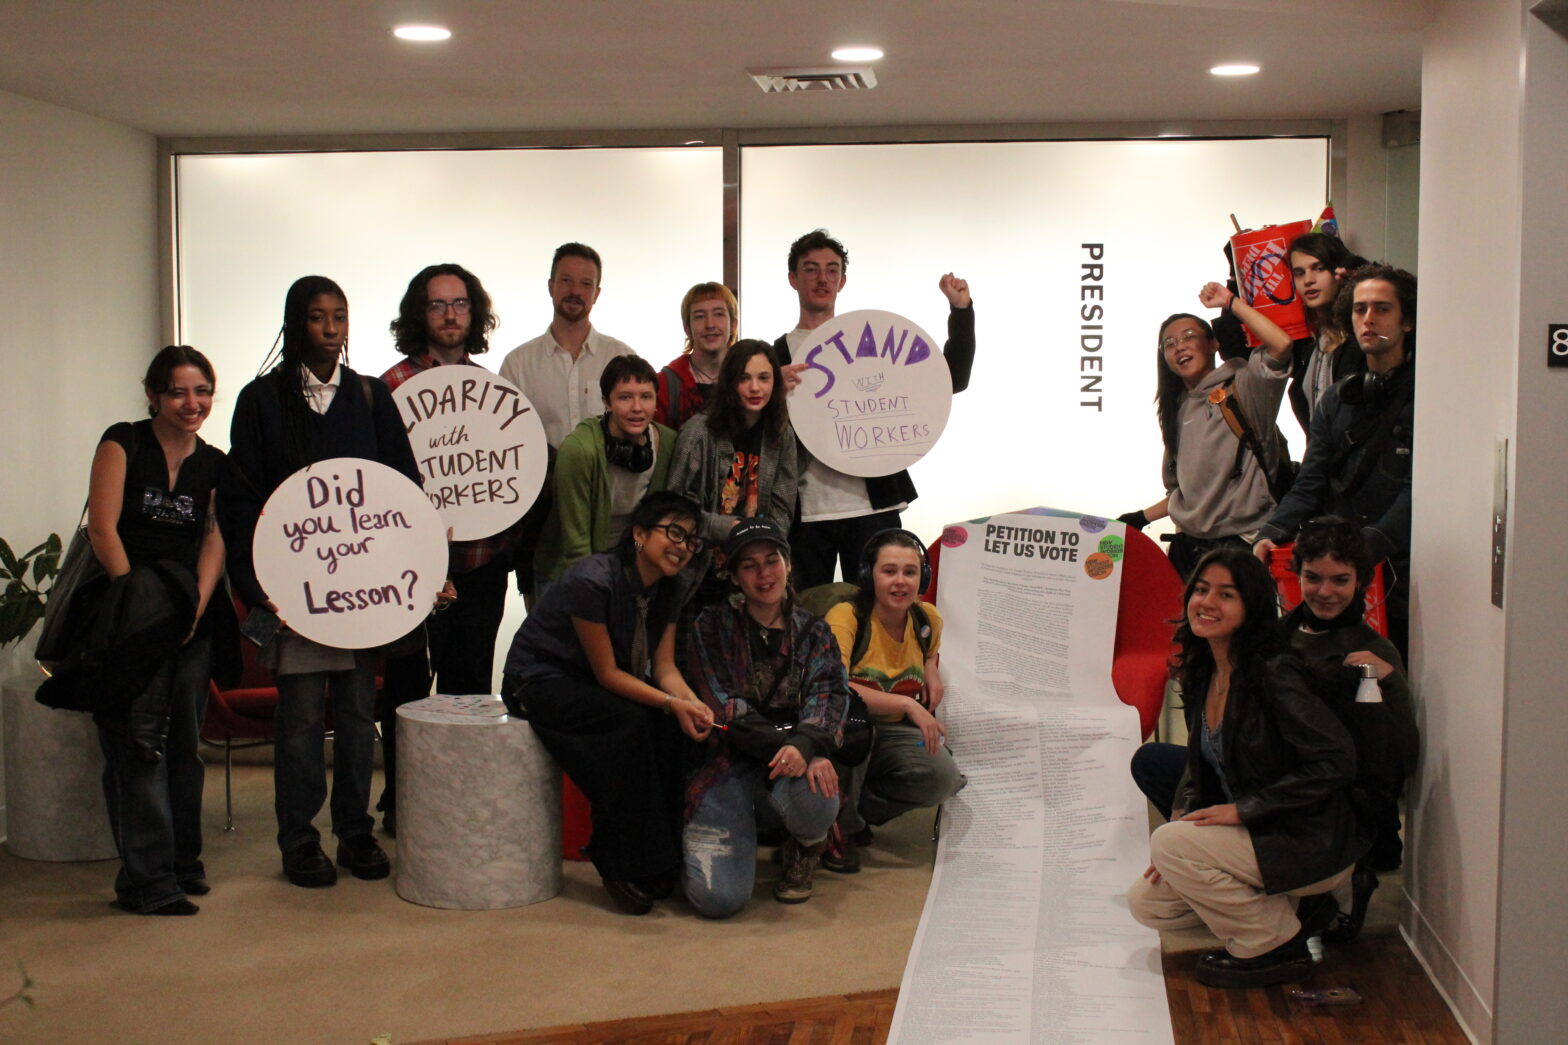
(1347, 926)
(629, 897)
(1290, 962)
(362, 857)
(309, 867)
(194, 886)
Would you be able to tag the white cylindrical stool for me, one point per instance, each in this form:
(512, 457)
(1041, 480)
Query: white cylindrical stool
(53, 780)
(478, 807)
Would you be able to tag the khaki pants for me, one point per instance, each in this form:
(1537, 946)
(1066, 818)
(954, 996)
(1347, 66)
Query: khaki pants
(1209, 875)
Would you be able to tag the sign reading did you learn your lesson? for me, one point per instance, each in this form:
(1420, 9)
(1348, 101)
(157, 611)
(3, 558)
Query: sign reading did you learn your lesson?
(874, 395)
(351, 551)
(480, 447)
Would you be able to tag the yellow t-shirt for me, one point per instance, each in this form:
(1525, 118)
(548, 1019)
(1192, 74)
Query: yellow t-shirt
(893, 666)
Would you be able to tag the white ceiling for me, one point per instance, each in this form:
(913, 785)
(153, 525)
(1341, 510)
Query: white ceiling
(183, 68)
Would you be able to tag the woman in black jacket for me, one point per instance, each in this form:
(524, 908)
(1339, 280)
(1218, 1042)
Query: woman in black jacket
(150, 509)
(1263, 827)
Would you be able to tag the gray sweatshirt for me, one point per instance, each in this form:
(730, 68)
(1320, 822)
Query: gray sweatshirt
(1207, 498)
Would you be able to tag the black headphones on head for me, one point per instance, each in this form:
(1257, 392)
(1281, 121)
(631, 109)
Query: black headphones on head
(623, 453)
(880, 540)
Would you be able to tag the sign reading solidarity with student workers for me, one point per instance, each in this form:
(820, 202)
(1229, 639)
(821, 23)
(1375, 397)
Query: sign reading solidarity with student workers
(875, 393)
(480, 446)
(351, 551)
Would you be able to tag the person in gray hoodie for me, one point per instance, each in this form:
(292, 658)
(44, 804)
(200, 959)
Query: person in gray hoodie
(1216, 487)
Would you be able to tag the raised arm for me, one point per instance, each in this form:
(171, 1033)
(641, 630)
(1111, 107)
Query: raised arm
(1276, 342)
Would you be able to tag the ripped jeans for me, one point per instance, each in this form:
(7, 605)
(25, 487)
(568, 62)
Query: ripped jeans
(720, 840)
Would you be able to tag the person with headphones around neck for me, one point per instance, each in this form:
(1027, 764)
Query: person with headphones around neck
(890, 642)
(605, 466)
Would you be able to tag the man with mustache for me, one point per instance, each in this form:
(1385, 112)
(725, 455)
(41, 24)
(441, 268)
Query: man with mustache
(1358, 456)
(445, 319)
(559, 373)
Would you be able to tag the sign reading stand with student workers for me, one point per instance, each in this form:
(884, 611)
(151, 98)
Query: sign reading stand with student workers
(874, 395)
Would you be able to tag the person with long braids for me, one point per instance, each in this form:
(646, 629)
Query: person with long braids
(311, 407)
(1264, 828)
(1217, 481)
(770, 674)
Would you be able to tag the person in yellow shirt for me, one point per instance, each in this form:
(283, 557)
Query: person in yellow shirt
(890, 642)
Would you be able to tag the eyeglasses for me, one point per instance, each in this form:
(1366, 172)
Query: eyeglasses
(437, 307)
(1187, 337)
(678, 534)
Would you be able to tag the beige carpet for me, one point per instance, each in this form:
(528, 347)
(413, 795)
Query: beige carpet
(265, 962)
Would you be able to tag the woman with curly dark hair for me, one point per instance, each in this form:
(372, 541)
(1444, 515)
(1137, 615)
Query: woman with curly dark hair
(1264, 828)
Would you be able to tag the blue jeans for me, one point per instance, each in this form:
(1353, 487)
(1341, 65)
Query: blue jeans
(721, 837)
(299, 771)
(1157, 770)
(155, 806)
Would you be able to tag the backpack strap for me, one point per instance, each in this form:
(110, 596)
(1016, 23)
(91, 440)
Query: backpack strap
(1229, 403)
(672, 397)
(922, 620)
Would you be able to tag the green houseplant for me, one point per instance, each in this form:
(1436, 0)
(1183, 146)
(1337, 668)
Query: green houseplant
(28, 579)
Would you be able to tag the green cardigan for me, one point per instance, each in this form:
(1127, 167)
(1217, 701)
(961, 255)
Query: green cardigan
(579, 522)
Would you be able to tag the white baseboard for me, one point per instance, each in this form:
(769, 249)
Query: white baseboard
(1471, 1011)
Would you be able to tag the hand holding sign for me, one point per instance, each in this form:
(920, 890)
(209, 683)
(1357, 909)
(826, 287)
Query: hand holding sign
(351, 552)
(480, 446)
(874, 395)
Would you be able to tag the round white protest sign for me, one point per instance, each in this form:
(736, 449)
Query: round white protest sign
(351, 551)
(480, 447)
(874, 396)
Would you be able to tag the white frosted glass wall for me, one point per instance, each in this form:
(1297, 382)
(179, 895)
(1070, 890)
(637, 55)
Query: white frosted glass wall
(250, 225)
(1011, 218)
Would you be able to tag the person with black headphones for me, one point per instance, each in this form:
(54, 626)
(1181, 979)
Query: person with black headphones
(890, 642)
(605, 466)
(1358, 456)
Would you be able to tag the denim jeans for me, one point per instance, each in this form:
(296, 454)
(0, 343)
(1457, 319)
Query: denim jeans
(299, 771)
(155, 806)
(898, 775)
(721, 837)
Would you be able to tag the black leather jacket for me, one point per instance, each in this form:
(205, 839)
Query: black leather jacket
(1290, 764)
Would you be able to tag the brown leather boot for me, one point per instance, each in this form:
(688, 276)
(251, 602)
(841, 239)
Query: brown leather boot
(799, 863)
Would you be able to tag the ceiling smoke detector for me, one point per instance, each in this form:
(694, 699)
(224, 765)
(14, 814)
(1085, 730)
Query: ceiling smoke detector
(842, 78)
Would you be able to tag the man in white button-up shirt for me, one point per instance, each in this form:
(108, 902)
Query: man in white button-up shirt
(559, 370)
(559, 373)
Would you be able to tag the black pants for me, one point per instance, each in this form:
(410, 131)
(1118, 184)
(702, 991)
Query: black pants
(627, 759)
(816, 547)
(1187, 550)
(460, 660)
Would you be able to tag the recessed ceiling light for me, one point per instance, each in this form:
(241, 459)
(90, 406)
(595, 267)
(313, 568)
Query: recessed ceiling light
(422, 33)
(858, 54)
(1235, 69)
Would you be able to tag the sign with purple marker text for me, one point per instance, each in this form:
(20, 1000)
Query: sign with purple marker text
(351, 551)
(874, 395)
(480, 446)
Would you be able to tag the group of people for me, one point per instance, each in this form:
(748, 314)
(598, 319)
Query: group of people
(1283, 805)
(670, 667)
(654, 478)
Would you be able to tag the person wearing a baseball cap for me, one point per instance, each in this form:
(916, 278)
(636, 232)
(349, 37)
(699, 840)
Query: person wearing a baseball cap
(771, 674)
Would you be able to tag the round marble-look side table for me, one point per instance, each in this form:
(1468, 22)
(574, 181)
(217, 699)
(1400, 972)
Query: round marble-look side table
(53, 780)
(478, 807)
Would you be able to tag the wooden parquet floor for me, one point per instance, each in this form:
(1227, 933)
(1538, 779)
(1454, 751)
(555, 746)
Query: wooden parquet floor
(1399, 1007)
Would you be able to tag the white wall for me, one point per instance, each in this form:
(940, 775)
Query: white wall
(1531, 1004)
(79, 225)
(1467, 366)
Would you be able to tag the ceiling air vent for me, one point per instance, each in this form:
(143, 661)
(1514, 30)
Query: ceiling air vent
(840, 78)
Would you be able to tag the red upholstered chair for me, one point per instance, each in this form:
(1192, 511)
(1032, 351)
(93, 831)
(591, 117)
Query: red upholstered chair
(241, 717)
(1150, 598)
